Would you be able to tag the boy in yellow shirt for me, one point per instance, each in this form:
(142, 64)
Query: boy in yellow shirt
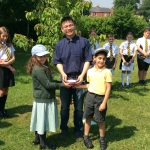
(99, 87)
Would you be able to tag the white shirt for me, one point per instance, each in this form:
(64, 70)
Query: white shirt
(3, 54)
(96, 46)
(124, 47)
(114, 49)
(141, 41)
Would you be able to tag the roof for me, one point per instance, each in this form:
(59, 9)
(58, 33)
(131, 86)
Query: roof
(100, 9)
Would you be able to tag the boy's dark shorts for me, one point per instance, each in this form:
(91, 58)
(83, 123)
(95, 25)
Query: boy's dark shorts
(92, 103)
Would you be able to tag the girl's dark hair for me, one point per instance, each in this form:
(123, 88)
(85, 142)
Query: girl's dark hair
(4, 30)
(33, 61)
(67, 18)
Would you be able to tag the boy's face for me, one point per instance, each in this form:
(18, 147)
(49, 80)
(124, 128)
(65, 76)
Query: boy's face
(129, 38)
(147, 34)
(100, 60)
(68, 28)
(111, 40)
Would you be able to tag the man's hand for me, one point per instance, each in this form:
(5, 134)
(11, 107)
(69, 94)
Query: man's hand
(79, 80)
(102, 107)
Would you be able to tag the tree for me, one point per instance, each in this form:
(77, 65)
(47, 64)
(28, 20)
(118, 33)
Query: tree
(145, 9)
(48, 14)
(124, 3)
(12, 14)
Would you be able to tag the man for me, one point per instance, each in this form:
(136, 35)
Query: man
(143, 48)
(72, 58)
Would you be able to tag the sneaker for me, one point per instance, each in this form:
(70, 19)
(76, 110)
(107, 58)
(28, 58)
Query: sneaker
(103, 143)
(88, 143)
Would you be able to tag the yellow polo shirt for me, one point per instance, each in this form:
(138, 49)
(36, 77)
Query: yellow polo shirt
(97, 79)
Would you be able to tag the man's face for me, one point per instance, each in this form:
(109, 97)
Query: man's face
(68, 28)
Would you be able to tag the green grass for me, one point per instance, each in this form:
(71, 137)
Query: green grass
(128, 117)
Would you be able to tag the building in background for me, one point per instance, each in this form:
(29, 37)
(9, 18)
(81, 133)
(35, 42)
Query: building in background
(100, 11)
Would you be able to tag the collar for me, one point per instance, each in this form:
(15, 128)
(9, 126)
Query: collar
(71, 40)
(97, 69)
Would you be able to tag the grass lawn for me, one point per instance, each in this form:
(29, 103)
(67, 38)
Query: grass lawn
(128, 117)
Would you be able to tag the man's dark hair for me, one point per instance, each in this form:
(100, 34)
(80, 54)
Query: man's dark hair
(67, 18)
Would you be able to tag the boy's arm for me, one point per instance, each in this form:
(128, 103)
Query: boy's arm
(82, 86)
(106, 97)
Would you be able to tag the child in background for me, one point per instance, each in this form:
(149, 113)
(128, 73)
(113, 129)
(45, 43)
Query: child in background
(44, 112)
(99, 87)
(112, 48)
(127, 52)
(143, 48)
(7, 58)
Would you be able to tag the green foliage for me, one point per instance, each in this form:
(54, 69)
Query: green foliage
(103, 25)
(145, 9)
(22, 42)
(124, 3)
(125, 21)
(48, 15)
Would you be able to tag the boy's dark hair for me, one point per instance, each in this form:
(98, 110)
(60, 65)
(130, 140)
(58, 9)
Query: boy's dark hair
(147, 29)
(129, 33)
(67, 18)
(110, 35)
(101, 52)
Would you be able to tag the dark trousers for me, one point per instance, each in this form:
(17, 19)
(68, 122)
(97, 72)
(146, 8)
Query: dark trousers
(66, 95)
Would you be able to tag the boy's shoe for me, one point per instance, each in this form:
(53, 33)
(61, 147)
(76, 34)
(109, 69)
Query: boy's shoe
(103, 144)
(88, 143)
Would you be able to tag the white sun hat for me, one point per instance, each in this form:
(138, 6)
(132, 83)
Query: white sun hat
(39, 50)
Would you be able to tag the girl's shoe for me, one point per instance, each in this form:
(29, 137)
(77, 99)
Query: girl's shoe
(37, 139)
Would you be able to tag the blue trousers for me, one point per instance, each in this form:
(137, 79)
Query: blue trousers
(66, 95)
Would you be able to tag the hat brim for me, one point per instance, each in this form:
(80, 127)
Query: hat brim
(42, 53)
(100, 50)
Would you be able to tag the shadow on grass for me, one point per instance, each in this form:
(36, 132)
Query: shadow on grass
(62, 142)
(2, 143)
(4, 124)
(19, 110)
(114, 133)
(135, 88)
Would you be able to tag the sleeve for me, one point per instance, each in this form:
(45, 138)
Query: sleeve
(116, 49)
(108, 76)
(88, 78)
(121, 45)
(57, 55)
(105, 46)
(138, 43)
(88, 52)
(44, 80)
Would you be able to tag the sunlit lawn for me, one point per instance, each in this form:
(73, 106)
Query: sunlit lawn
(128, 117)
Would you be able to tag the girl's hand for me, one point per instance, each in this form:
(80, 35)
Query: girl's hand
(102, 107)
(114, 66)
(125, 63)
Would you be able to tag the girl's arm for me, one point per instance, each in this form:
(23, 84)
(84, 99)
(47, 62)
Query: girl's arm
(7, 63)
(44, 80)
(106, 97)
